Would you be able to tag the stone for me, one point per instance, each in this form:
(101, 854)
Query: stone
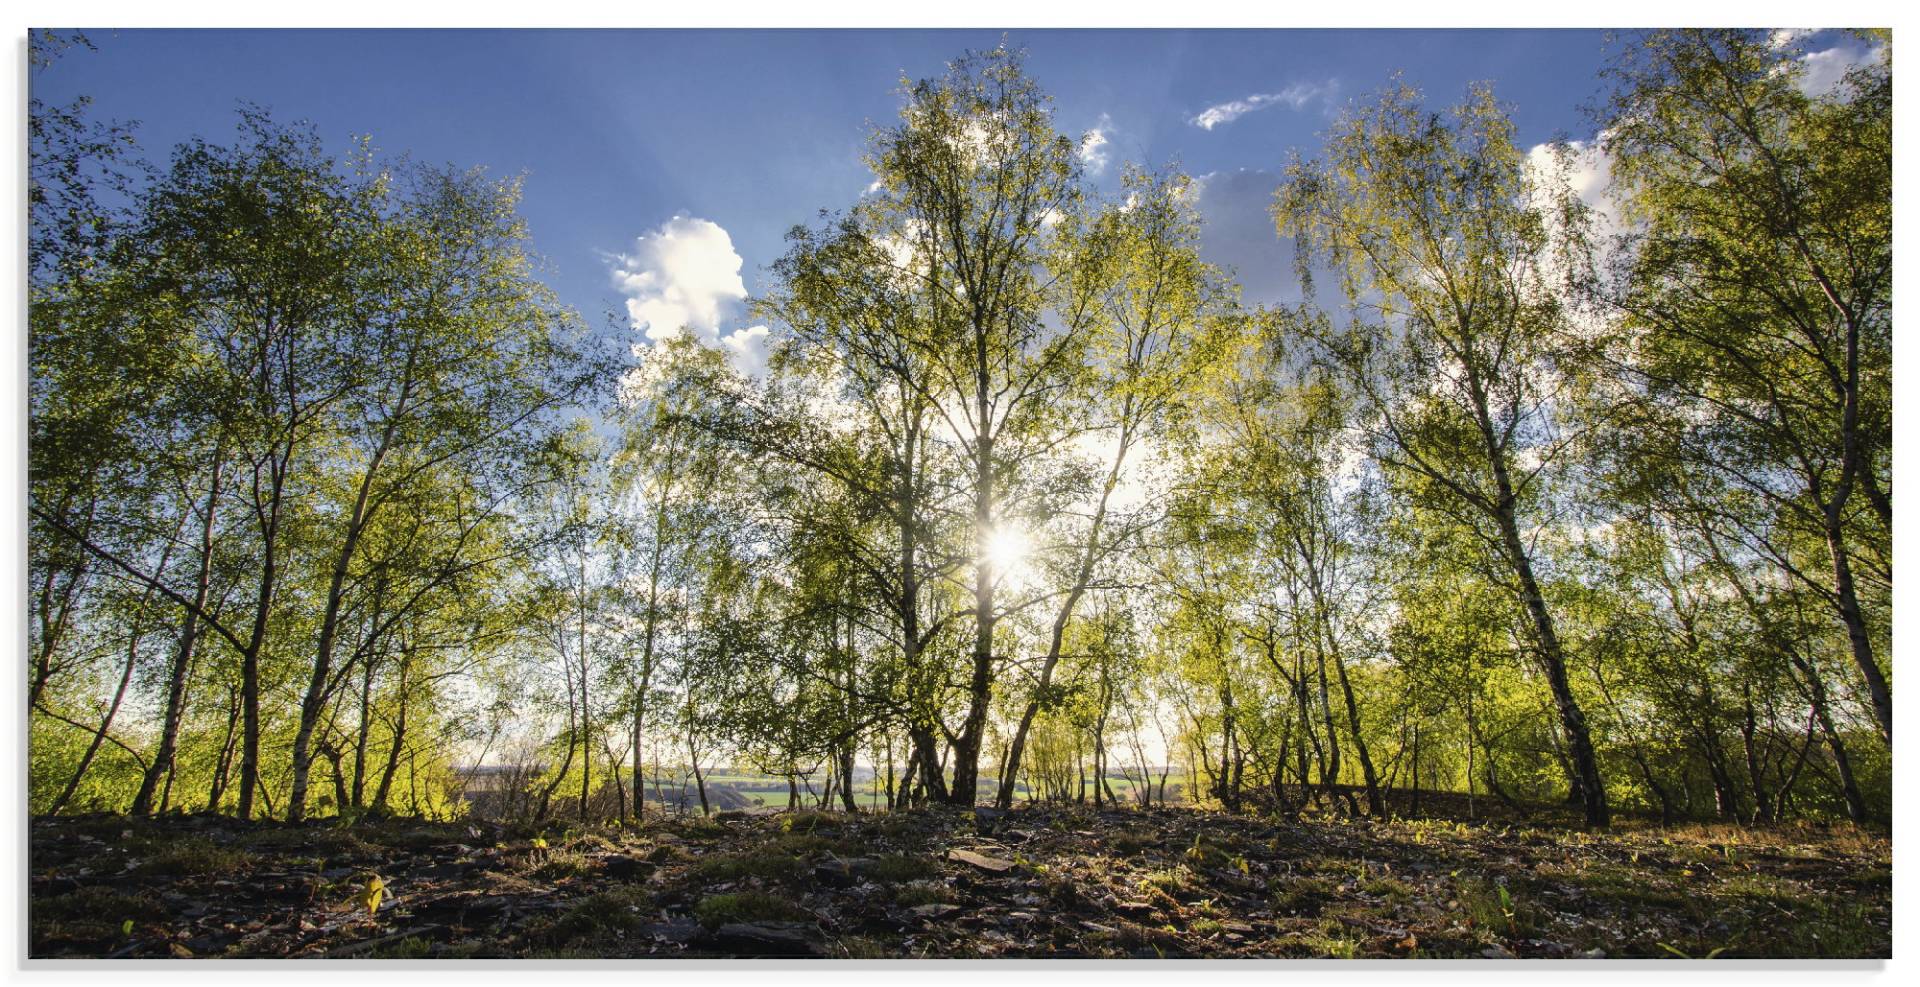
(838, 873)
(761, 939)
(213, 942)
(992, 865)
(625, 868)
(681, 930)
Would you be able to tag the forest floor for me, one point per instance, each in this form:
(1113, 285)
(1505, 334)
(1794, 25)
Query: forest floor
(1042, 881)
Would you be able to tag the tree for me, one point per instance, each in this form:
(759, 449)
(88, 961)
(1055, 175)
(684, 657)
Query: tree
(1159, 334)
(1754, 302)
(972, 178)
(1431, 223)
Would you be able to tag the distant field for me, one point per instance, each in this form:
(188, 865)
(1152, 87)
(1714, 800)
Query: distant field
(770, 791)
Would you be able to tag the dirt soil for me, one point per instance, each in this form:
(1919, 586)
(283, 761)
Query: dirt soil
(1042, 881)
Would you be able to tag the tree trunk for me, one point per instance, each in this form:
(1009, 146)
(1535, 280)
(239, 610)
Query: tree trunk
(177, 672)
(1858, 639)
(278, 464)
(1586, 766)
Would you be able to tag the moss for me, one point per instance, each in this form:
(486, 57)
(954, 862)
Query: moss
(95, 916)
(894, 868)
(808, 820)
(195, 856)
(748, 906)
(599, 918)
(1386, 887)
(809, 845)
(770, 866)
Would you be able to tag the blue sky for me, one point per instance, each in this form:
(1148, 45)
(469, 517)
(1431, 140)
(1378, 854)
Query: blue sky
(618, 132)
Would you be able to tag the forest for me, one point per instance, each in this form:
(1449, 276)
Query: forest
(1538, 510)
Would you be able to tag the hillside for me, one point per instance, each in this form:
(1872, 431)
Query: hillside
(1042, 881)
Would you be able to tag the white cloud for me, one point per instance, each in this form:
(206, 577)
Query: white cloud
(1822, 70)
(1096, 146)
(748, 348)
(1296, 96)
(685, 277)
(1590, 176)
(1785, 36)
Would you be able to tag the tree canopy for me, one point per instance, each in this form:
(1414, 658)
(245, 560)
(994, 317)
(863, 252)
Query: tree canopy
(335, 509)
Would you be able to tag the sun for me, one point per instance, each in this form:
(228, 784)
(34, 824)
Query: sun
(1006, 553)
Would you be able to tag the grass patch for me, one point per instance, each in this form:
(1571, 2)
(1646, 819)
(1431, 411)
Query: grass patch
(324, 841)
(858, 948)
(1847, 931)
(1497, 909)
(1165, 882)
(559, 865)
(700, 828)
(1303, 896)
(410, 948)
(915, 893)
(1333, 942)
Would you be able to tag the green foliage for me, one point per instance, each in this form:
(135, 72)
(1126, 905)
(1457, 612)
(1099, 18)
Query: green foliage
(1547, 503)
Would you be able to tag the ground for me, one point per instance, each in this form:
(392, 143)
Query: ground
(1039, 881)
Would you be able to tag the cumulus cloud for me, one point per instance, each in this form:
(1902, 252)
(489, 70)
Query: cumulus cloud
(685, 277)
(1096, 146)
(748, 348)
(1820, 71)
(1296, 96)
(1782, 37)
(1589, 174)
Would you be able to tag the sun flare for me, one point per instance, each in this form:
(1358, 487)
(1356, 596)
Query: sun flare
(1006, 552)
